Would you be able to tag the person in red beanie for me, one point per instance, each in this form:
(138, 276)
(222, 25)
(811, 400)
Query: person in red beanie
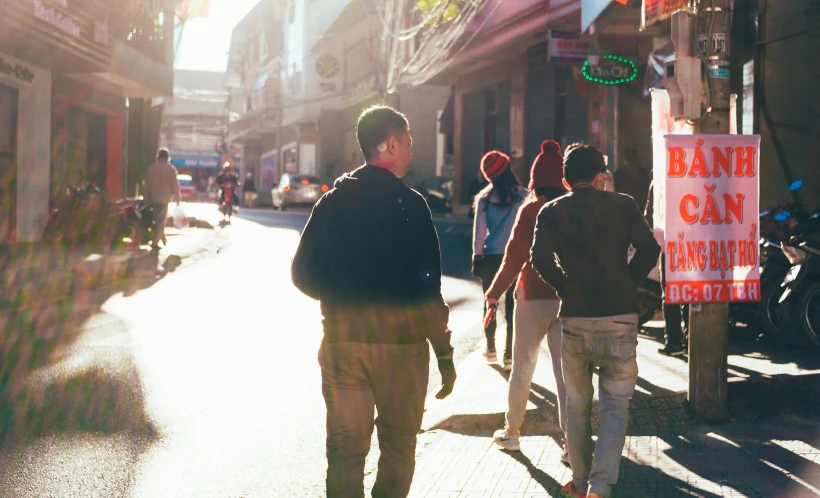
(495, 209)
(536, 304)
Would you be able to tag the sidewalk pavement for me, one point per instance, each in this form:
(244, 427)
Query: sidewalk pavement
(668, 451)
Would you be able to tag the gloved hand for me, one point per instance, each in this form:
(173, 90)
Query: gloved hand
(447, 369)
(478, 265)
(492, 307)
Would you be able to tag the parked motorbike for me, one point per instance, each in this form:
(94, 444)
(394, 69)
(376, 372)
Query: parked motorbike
(136, 223)
(798, 306)
(87, 216)
(778, 225)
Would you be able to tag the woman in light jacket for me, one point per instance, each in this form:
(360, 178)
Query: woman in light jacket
(536, 303)
(496, 208)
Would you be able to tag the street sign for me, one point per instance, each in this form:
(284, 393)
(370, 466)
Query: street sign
(712, 190)
(653, 11)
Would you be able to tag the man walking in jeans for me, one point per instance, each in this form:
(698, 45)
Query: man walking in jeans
(580, 249)
(370, 254)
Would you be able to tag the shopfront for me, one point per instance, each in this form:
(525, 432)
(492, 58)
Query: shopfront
(87, 137)
(25, 125)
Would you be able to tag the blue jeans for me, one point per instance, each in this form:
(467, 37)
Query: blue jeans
(610, 344)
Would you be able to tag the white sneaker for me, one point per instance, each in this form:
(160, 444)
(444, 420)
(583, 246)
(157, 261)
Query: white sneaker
(565, 455)
(507, 364)
(506, 441)
(490, 355)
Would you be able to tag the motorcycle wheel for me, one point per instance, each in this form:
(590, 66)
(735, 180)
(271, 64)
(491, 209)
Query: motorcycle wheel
(809, 311)
(646, 311)
(772, 322)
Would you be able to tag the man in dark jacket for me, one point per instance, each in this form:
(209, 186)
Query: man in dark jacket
(580, 249)
(249, 189)
(370, 255)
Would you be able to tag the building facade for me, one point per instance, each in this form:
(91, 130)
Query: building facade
(349, 75)
(67, 70)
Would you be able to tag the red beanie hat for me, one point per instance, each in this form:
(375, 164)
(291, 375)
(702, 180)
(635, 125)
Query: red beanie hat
(493, 164)
(548, 167)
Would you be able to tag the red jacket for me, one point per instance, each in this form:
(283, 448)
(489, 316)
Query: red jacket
(517, 257)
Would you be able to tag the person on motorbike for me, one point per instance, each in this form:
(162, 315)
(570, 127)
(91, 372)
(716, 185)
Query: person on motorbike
(228, 179)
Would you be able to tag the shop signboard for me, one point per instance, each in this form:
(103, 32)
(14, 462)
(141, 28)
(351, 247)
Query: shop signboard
(567, 47)
(610, 70)
(653, 11)
(16, 71)
(195, 160)
(710, 209)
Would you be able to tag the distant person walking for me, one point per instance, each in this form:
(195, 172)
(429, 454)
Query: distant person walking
(370, 254)
(249, 190)
(580, 249)
(161, 187)
(536, 304)
(496, 207)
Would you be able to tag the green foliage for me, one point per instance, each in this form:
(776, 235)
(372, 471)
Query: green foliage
(429, 7)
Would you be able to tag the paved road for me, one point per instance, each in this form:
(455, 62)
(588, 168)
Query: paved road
(189, 389)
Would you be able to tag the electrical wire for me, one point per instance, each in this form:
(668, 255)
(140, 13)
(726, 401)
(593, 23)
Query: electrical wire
(434, 62)
(484, 23)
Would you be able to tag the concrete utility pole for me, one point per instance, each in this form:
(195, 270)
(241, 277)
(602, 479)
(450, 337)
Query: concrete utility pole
(709, 323)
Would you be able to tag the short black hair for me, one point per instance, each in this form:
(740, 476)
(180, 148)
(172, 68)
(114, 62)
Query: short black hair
(582, 163)
(376, 124)
(163, 154)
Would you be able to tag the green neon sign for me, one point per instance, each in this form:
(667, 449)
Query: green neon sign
(622, 71)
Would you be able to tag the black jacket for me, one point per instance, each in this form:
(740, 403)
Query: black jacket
(580, 249)
(370, 254)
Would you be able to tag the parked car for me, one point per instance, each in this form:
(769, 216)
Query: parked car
(187, 188)
(438, 191)
(297, 189)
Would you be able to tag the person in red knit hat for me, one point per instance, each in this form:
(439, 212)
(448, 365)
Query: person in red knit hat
(536, 304)
(495, 209)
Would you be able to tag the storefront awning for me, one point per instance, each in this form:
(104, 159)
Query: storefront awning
(592, 9)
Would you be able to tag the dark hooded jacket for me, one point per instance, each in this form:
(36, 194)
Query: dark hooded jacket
(370, 254)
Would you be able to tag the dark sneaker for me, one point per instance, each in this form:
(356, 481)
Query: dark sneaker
(670, 350)
(569, 491)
